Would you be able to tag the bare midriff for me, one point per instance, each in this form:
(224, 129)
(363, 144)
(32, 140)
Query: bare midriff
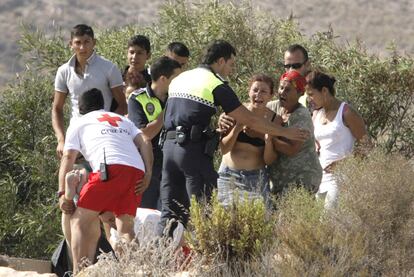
(244, 156)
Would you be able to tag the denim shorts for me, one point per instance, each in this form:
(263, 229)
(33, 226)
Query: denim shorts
(252, 184)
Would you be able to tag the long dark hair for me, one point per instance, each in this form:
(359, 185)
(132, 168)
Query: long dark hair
(318, 80)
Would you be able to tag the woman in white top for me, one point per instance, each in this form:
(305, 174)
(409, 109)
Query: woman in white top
(336, 127)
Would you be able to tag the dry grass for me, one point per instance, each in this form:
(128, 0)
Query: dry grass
(371, 232)
(156, 258)
(378, 199)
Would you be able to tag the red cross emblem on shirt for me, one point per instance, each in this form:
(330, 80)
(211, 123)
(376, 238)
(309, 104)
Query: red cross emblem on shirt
(111, 119)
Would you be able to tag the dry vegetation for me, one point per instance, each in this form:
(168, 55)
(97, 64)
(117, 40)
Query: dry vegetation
(378, 23)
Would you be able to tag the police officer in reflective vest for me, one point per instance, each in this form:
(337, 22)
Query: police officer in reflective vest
(145, 108)
(190, 141)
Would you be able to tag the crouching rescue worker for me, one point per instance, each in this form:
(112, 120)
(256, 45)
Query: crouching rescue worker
(110, 143)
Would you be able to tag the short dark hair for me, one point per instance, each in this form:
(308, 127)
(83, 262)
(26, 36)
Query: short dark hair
(91, 100)
(218, 49)
(179, 49)
(297, 47)
(81, 30)
(141, 41)
(318, 80)
(263, 78)
(163, 66)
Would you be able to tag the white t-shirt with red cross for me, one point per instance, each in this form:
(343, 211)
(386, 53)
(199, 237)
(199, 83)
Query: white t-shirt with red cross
(97, 131)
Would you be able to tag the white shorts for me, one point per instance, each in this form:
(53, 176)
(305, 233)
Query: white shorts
(328, 190)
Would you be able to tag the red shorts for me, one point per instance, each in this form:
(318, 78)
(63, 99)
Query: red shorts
(116, 195)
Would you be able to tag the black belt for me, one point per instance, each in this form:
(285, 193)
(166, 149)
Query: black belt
(182, 135)
(195, 133)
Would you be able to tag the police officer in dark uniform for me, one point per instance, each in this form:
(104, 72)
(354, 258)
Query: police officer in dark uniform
(190, 141)
(145, 106)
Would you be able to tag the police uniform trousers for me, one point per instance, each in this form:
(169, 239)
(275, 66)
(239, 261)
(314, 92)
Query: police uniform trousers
(186, 171)
(151, 196)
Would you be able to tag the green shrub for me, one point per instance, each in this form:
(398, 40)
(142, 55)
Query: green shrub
(43, 52)
(381, 89)
(29, 223)
(235, 233)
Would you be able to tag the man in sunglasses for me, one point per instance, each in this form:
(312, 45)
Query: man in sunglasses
(296, 58)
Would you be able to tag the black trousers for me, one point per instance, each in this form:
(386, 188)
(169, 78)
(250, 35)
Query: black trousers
(151, 196)
(186, 171)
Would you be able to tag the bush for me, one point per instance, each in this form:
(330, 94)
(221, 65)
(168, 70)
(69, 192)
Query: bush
(29, 223)
(309, 242)
(370, 234)
(378, 200)
(380, 89)
(237, 233)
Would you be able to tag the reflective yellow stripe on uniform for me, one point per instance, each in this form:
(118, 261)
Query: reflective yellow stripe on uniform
(197, 85)
(151, 105)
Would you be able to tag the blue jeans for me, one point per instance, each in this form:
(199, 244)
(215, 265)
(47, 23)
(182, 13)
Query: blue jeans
(250, 184)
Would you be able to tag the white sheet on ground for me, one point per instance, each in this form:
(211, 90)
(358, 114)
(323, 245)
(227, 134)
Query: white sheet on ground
(145, 227)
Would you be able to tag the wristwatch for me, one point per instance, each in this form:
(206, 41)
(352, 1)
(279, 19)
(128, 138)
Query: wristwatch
(60, 193)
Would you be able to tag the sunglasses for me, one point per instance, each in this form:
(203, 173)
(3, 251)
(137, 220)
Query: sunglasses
(293, 65)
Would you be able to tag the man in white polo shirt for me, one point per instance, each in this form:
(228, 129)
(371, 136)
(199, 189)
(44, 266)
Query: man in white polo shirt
(84, 70)
(121, 160)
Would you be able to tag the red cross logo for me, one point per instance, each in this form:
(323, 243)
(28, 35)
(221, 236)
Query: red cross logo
(111, 120)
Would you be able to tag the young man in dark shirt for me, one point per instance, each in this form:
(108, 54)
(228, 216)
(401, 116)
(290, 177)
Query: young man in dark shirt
(145, 109)
(139, 52)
